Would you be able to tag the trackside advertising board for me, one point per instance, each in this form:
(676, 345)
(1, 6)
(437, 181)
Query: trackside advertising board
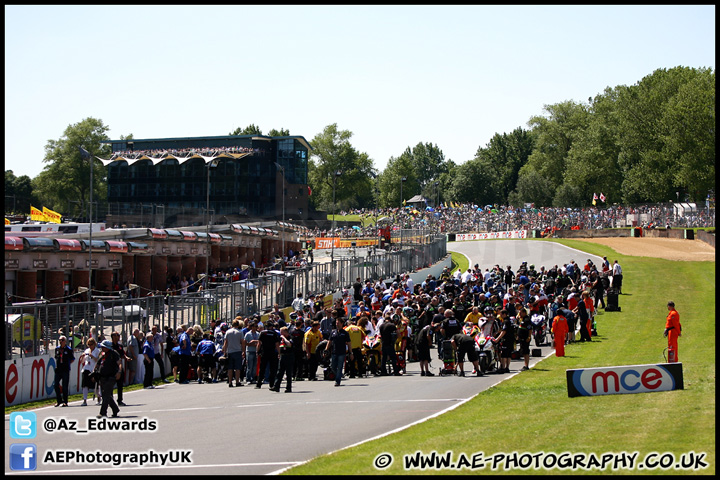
(624, 379)
(462, 237)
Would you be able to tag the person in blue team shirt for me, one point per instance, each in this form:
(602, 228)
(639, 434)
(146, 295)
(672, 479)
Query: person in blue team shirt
(63, 362)
(206, 358)
(185, 353)
(148, 360)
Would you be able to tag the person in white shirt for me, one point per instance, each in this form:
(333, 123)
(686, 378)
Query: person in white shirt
(298, 303)
(88, 360)
(410, 284)
(616, 281)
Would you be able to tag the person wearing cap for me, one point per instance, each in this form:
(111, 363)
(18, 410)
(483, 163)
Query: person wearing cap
(63, 363)
(286, 361)
(673, 330)
(108, 368)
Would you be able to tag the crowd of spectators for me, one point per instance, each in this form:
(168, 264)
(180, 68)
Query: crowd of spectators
(398, 312)
(185, 152)
(472, 218)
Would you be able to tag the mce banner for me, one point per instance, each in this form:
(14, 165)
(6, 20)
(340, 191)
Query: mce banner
(624, 379)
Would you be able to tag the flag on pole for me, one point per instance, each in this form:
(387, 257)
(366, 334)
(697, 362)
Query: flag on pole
(594, 198)
(84, 153)
(51, 216)
(602, 197)
(36, 214)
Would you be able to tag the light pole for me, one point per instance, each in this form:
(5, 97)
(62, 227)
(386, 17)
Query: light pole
(282, 255)
(332, 247)
(402, 221)
(210, 164)
(86, 156)
(377, 201)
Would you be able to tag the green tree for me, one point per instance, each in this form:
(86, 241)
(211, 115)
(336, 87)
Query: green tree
(504, 156)
(688, 135)
(18, 193)
(66, 177)
(554, 136)
(391, 178)
(592, 162)
(471, 183)
(251, 129)
(279, 133)
(651, 119)
(332, 153)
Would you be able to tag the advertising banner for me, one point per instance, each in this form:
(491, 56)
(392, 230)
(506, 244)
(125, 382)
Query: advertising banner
(322, 243)
(461, 237)
(624, 379)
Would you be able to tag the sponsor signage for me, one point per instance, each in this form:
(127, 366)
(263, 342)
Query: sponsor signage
(624, 379)
(12, 263)
(67, 264)
(40, 263)
(322, 243)
(460, 237)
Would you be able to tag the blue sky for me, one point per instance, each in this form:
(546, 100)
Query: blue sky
(393, 75)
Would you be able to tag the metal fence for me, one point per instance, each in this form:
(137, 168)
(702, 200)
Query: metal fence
(33, 328)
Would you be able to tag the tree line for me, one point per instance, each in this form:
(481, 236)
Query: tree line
(650, 142)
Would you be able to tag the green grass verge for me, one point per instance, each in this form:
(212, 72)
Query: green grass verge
(532, 413)
(459, 262)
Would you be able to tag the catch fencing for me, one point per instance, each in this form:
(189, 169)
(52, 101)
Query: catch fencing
(33, 328)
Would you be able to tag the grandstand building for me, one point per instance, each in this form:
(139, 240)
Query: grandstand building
(240, 176)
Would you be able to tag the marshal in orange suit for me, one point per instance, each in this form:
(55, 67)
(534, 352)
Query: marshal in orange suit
(560, 329)
(673, 330)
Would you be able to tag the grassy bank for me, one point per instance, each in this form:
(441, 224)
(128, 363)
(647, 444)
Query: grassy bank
(532, 413)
